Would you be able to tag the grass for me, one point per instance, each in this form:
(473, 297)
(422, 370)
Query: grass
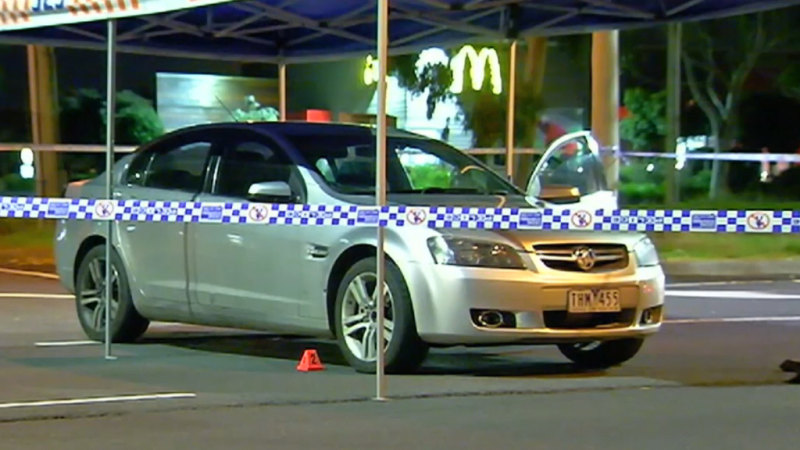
(699, 246)
(27, 244)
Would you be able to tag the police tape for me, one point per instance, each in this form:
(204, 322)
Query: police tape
(740, 157)
(724, 221)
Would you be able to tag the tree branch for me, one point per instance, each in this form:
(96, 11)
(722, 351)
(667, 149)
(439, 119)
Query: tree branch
(712, 114)
(711, 91)
(743, 70)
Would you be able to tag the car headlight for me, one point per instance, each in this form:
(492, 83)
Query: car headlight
(468, 252)
(645, 252)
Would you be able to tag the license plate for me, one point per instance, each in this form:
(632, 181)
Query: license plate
(589, 301)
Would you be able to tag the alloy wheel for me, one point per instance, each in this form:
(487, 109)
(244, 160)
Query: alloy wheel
(92, 294)
(359, 316)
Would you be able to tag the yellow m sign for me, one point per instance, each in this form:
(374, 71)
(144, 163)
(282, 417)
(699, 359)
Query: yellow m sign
(477, 70)
(478, 73)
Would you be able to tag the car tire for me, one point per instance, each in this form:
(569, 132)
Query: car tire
(354, 321)
(127, 324)
(601, 354)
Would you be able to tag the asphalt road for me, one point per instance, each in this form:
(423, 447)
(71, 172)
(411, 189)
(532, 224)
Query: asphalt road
(709, 379)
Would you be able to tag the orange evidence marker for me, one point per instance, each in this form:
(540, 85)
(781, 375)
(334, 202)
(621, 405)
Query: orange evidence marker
(310, 361)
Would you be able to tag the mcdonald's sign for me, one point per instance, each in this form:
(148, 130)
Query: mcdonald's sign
(484, 67)
(478, 72)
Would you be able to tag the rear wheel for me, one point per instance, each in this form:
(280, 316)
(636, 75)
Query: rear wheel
(356, 315)
(601, 354)
(90, 299)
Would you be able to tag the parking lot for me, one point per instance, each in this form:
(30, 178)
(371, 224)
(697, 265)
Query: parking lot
(716, 334)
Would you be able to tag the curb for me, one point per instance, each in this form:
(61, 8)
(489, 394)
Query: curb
(29, 273)
(778, 269)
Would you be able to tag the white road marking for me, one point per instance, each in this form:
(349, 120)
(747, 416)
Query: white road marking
(731, 294)
(720, 283)
(66, 343)
(736, 319)
(32, 295)
(29, 273)
(96, 400)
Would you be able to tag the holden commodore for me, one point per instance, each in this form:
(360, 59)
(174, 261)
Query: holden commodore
(596, 295)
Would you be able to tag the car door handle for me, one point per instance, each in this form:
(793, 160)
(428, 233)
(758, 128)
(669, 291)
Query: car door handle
(130, 228)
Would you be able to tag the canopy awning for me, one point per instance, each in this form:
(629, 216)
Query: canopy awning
(314, 30)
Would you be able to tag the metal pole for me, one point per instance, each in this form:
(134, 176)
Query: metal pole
(380, 189)
(512, 90)
(282, 90)
(111, 106)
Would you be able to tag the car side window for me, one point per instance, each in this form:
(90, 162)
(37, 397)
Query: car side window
(180, 168)
(138, 168)
(248, 162)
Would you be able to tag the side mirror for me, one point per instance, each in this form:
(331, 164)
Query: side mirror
(270, 191)
(560, 194)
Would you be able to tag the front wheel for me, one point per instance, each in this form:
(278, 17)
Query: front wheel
(90, 294)
(601, 354)
(356, 315)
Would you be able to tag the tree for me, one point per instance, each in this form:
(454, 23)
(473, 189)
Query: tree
(83, 118)
(646, 125)
(789, 81)
(83, 121)
(486, 112)
(719, 57)
(137, 120)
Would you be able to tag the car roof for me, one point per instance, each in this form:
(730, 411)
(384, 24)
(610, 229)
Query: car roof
(297, 129)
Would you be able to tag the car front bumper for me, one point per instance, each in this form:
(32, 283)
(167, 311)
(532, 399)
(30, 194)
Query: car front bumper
(446, 299)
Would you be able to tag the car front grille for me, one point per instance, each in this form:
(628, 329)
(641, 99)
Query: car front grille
(606, 257)
(566, 321)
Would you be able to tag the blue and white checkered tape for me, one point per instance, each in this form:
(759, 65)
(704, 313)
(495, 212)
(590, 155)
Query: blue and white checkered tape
(723, 221)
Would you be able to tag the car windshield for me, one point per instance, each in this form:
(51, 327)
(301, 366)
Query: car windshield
(414, 165)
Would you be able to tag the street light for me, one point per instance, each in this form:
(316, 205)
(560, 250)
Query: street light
(26, 169)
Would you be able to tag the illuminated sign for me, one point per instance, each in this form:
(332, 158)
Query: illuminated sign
(26, 169)
(477, 71)
(484, 65)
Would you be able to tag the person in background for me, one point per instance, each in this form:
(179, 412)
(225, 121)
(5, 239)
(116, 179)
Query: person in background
(765, 166)
(446, 131)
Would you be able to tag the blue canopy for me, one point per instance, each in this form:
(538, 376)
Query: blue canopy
(313, 30)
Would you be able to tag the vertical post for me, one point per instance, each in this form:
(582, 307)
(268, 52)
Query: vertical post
(380, 190)
(673, 109)
(42, 87)
(605, 100)
(111, 106)
(534, 69)
(282, 90)
(512, 93)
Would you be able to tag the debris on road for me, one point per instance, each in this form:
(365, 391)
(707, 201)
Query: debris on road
(792, 366)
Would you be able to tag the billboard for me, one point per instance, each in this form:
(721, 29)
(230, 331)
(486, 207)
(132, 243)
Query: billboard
(184, 99)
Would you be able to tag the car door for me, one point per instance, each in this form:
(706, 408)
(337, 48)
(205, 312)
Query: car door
(246, 272)
(173, 170)
(572, 161)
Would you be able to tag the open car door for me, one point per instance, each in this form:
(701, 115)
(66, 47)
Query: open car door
(571, 175)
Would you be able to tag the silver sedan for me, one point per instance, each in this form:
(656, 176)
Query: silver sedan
(596, 296)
